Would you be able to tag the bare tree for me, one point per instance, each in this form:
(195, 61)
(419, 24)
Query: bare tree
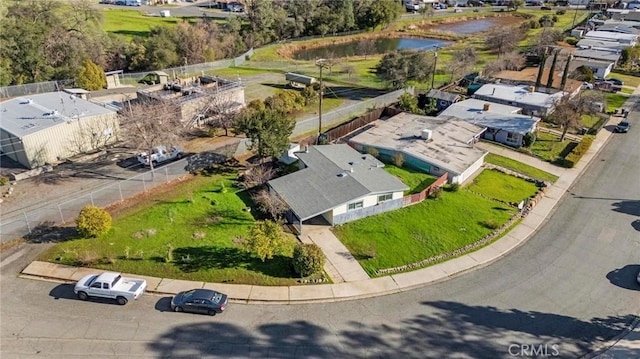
(149, 123)
(270, 203)
(258, 175)
(504, 41)
(569, 111)
(94, 135)
(221, 110)
(463, 61)
(366, 47)
(512, 61)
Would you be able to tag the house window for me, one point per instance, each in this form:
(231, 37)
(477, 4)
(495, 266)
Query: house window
(385, 197)
(512, 137)
(355, 205)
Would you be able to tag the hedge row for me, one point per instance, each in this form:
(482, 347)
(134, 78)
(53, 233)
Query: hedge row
(577, 153)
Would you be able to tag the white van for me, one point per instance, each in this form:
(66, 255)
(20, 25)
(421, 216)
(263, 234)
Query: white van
(133, 2)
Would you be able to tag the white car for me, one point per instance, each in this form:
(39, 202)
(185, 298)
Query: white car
(160, 154)
(587, 86)
(110, 285)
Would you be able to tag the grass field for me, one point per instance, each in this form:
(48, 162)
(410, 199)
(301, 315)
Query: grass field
(520, 167)
(497, 185)
(421, 231)
(416, 180)
(130, 23)
(548, 146)
(627, 79)
(615, 101)
(200, 222)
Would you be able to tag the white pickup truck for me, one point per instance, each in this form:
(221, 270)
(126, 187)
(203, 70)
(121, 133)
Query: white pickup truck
(160, 154)
(110, 285)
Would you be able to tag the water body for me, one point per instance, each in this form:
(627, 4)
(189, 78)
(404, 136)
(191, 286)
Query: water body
(383, 45)
(380, 46)
(468, 27)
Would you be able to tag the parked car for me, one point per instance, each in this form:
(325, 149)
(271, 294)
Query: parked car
(200, 301)
(623, 127)
(587, 86)
(457, 10)
(607, 86)
(160, 154)
(616, 81)
(110, 285)
(638, 278)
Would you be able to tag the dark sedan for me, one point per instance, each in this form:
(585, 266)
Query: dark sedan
(622, 127)
(201, 301)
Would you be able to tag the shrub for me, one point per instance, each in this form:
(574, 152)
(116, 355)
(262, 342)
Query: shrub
(308, 259)
(93, 221)
(561, 12)
(436, 193)
(4, 180)
(454, 187)
(577, 153)
(265, 239)
(529, 139)
(398, 159)
(491, 224)
(373, 152)
(571, 40)
(169, 256)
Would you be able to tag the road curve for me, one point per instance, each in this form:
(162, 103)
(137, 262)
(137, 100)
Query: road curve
(568, 290)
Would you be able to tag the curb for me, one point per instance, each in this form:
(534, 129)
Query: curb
(605, 347)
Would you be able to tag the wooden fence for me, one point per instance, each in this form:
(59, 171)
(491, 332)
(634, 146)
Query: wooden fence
(419, 197)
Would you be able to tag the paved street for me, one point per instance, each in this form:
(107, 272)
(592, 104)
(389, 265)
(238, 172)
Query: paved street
(570, 288)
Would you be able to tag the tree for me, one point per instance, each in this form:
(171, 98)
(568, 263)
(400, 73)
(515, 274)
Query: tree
(308, 259)
(583, 73)
(148, 123)
(258, 175)
(512, 61)
(265, 239)
(630, 55)
(462, 62)
(409, 103)
(504, 41)
(371, 14)
(516, 4)
(366, 47)
(93, 221)
(569, 111)
(91, 77)
(270, 203)
(268, 129)
(552, 70)
(399, 67)
(426, 10)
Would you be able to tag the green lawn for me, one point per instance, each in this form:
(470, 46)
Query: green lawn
(132, 23)
(548, 146)
(416, 180)
(627, 79)
(615, 101)
(421, 231)
(589, 120)
(200, 222)
(520, 167)
(497, 185)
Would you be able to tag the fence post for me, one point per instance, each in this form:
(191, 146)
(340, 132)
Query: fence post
(26, 219)
(120, 189)
(61, 216)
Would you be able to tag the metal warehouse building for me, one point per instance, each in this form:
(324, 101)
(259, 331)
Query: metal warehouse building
(51, 127)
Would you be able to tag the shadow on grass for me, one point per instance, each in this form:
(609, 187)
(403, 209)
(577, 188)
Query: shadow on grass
(47, 232)
(194, 259)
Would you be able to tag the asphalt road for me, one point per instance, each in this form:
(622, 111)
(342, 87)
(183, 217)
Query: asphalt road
(567, 290)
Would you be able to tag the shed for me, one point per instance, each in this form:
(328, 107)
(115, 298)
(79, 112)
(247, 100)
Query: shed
(113, 78)
(298, 80)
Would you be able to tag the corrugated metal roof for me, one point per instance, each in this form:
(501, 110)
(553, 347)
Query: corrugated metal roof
(441, 95)
(335, 175)
(22, 116)
(518, 94)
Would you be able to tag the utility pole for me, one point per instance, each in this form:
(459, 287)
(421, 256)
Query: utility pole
(321, 63)
(435, 65)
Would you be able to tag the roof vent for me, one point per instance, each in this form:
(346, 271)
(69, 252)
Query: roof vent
(426, 134)
(342, 174)
(486, 107)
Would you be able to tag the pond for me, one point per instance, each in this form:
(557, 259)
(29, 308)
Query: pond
(368, 47)
(468, 27)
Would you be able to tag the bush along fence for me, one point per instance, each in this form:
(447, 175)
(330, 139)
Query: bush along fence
(576, 154)
(530, 203)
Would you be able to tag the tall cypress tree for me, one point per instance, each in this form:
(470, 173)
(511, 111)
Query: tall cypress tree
(541, 69)
(552, 70)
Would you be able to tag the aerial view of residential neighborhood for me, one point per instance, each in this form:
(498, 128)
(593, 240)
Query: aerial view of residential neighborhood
(320, 179)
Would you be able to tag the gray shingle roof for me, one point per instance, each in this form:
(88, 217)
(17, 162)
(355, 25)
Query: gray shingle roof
(441, 95)
(597, 55)
(335, 175)
(518, 94)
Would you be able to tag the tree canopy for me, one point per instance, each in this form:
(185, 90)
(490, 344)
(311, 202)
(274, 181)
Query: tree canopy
(399, 67)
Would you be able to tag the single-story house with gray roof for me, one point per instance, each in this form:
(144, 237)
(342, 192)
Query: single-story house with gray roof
(600, 55)
(532, 102)
(49, 128)
(339, 184)
(504, 123)
(434, 145)
(443, 99)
